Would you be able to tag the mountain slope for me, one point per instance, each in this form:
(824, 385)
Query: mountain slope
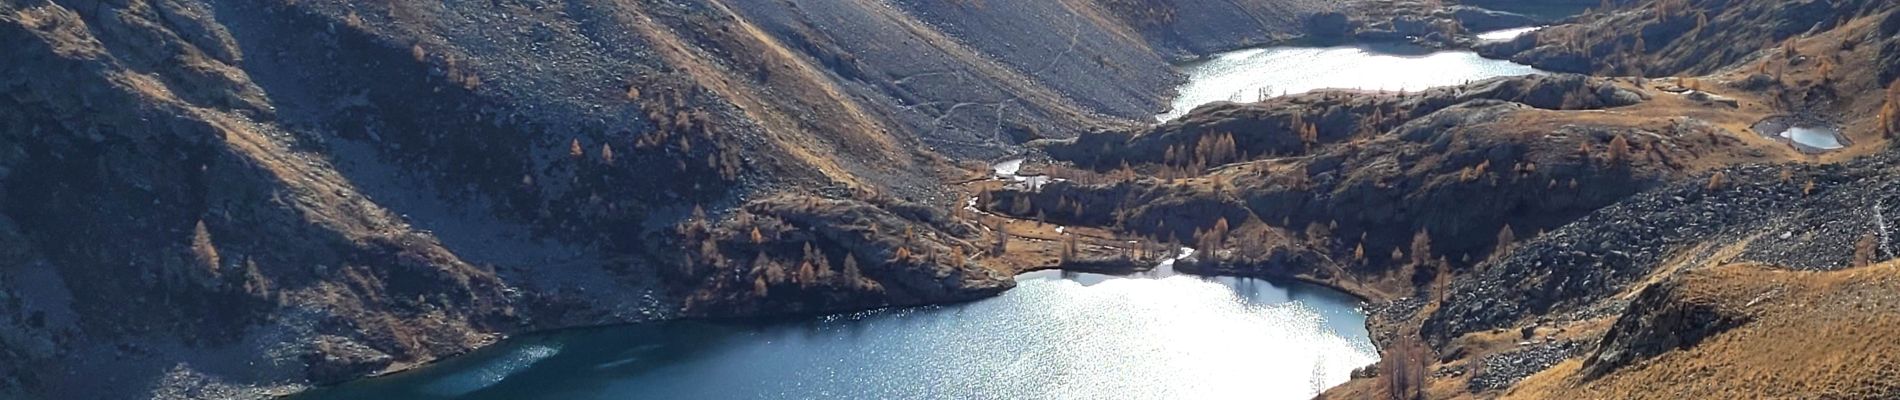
(203, 198)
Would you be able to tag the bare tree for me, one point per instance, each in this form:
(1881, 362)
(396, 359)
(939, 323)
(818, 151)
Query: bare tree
(1402, 370)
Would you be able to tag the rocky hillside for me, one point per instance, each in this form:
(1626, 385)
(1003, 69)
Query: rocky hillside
(1548, 237)
(234, 199)
(1685, 289)
(207, 198)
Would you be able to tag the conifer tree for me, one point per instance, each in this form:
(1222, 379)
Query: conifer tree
(1506, 239)
(1619, 150)
(1421, 248)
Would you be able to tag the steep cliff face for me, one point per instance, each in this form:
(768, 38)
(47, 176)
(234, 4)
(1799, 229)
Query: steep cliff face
(202, 197)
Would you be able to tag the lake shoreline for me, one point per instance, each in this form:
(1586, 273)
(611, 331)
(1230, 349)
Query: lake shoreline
(1359, 289)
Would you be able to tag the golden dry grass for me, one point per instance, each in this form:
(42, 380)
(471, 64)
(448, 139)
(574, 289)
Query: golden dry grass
(1813, 335)
(784, 130)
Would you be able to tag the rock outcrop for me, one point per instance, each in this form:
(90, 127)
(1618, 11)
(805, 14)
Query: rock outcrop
(1663, 317)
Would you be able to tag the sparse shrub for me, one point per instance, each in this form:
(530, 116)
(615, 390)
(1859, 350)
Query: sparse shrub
(1864, 250)
(902, 255)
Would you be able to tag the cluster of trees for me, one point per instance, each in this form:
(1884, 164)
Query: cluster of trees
(1666, 9)
(1618, 153)
(451, 70)
(1402, 369)
(1309, 132)
(1125, 173)
(1472, 173)
(1378, 121)
(678, 126)
(1572, 38)
(576, 152)
(209, 270)
(708, 267)
(1210, 150)
(1213, 241)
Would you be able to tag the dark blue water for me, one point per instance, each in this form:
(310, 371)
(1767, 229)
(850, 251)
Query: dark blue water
(1057, 336)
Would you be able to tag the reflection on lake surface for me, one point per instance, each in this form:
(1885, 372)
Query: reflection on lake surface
(1506, 34)
(1057, 336)
(1814, 138)
(1249, 75)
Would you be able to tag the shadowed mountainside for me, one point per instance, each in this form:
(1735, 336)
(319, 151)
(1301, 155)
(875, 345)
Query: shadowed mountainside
(204, 198)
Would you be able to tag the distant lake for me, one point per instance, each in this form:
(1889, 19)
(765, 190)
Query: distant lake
(1253, 74)
(1056, 336)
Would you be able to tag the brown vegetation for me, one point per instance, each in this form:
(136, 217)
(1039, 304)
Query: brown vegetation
(1402, 369)
(1837, 327)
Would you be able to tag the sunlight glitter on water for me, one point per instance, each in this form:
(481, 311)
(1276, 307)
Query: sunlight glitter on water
(1056, 336)
(1254, 74)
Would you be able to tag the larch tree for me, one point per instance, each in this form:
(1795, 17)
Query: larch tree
(852, 275)
(1421, 248)
(1506, 238)
(1002, 237)
(205, 253)
(1619, 150)
(1069, 247)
